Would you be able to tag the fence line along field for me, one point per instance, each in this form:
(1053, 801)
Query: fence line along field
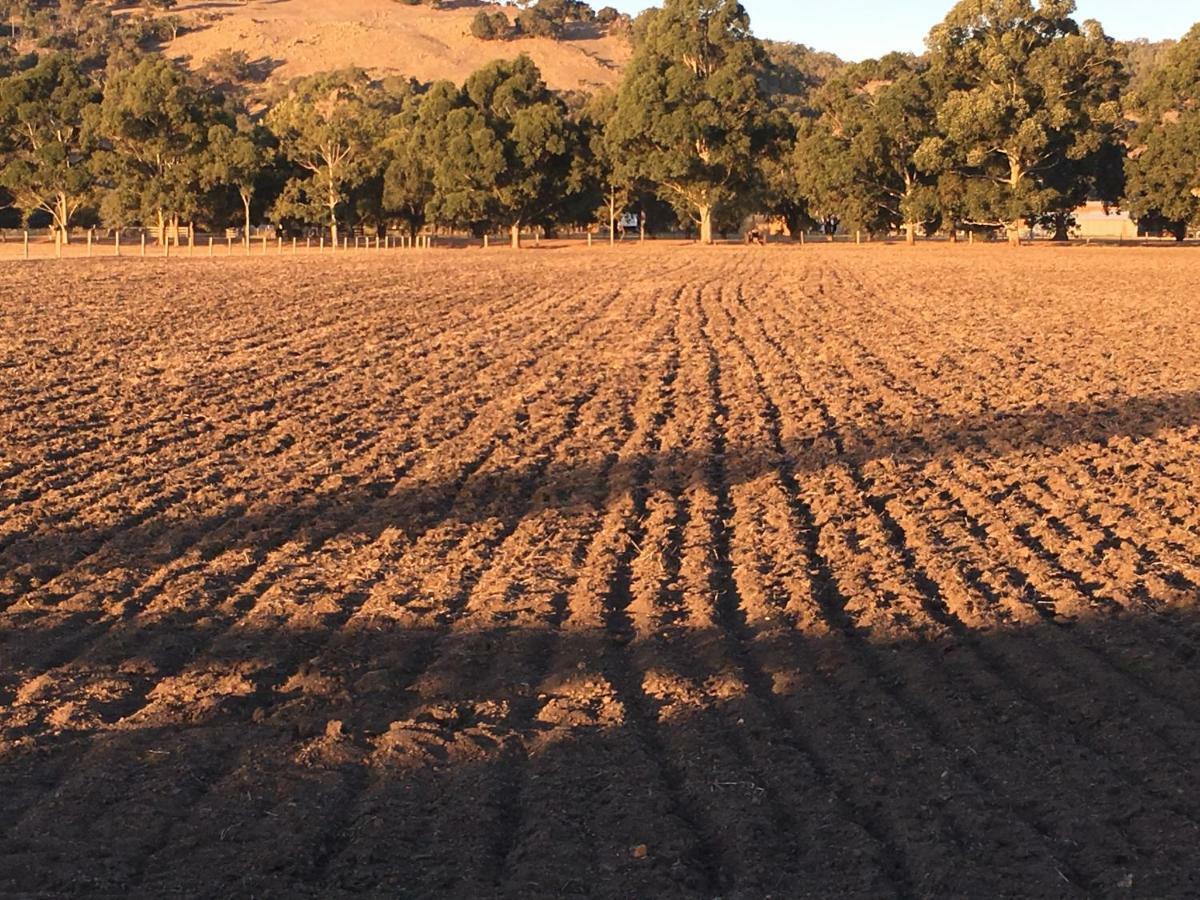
(774, 572)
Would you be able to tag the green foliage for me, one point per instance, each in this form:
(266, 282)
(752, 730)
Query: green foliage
(46, 164)
(1143, 59)
(692, 115)
(1165, 175)
(795, 72)
(1029, 102)
(153, 123)
(328, 127)
(237, 156)
(1175, 84)
(503, 149)
(1164, 168)
(410, 148)
(491, 26)
(859, 158)
(1015, 115)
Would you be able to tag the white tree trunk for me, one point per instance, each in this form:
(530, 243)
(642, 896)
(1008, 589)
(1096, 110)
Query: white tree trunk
(706, 225)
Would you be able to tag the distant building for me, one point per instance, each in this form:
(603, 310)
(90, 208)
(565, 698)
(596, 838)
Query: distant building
(1093, 220)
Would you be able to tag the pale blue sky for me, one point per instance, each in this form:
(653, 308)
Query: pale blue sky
(858, 29)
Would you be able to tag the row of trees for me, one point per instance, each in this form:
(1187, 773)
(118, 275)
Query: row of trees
(1016, 114)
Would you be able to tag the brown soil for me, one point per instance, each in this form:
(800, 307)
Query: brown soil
(640, 573)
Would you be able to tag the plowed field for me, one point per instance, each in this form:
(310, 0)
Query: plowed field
(823, 572)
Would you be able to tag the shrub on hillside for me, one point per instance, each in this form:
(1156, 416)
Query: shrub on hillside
(491, 26)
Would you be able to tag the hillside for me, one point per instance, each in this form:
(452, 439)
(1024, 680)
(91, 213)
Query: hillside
(290, 38)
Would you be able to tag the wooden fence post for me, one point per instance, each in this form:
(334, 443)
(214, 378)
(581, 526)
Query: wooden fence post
(210, 246)
(89, 242)
(293, 246)
(143, 243)
(117, 244)
(27, 245)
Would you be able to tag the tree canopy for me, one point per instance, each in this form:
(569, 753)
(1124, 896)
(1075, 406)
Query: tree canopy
(46, 160)
(1164, 167)
(327, 127)
(692, 115)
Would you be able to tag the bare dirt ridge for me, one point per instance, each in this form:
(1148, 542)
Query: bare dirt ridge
(825, 572)
(286, 39)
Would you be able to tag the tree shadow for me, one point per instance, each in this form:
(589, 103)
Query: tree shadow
(412, 505)
(552, 760)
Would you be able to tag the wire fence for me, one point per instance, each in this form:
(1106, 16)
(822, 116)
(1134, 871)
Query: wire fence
(139, 244)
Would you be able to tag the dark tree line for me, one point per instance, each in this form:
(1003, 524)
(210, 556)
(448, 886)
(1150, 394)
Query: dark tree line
(1016, 114)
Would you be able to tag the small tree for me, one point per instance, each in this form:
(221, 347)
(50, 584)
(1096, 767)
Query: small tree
(692, 116)
(491, 26)
(327, 126)
(237, 154)
(47, 166)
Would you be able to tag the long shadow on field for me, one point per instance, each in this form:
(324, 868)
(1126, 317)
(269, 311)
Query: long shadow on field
(506, 493)
(1045, 762)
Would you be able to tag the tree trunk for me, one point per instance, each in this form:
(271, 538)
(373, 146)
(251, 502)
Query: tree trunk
(1016, 176)
(612, 217)
(246, 207)
(161, 230)
(1061, 229)
(706, 225)
(795, 223)
(911, 236)
(515, 233)
(63, 216)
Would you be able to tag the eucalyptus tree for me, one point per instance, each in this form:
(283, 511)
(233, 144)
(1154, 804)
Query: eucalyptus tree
(46, 164)
(152, 124)
(1030, 102)
(861, 154)
(1164, 166)
(238, 154)
(692, 113)
(329, 127)
(505, 150)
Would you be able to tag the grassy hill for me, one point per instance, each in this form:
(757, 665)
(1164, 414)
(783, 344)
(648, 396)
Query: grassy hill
(285, 39)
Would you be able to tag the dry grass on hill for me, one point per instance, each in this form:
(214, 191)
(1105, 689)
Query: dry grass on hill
(291, 38)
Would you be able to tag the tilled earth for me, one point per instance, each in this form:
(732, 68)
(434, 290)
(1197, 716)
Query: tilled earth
(824, 572)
